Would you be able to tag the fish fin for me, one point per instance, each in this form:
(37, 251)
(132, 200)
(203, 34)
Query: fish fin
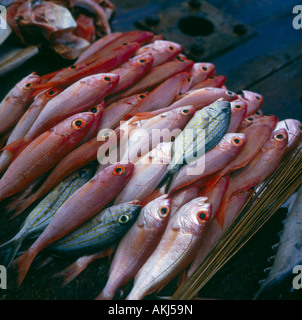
(143, 116)
(220, 215)
(23, 264)
(46, 85)
(8, 251)
(17, 146)
(169, 178)
(22, 205)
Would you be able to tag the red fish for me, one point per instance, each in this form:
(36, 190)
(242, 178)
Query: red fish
(238, 112)
(201, 71)
(78, 208)
(210, 82)
(257, 170)
(44, 153)
(16, 101)
(254, 101)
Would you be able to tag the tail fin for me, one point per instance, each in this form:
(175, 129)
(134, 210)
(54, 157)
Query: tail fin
(23, 263)
(21, 205)
(168, 178)
(8, 251)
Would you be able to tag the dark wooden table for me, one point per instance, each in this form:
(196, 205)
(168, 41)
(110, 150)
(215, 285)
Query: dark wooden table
(267, 60)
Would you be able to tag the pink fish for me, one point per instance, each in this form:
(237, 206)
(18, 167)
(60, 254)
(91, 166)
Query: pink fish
(210, 82)
(176, 249)
(254, 101)
(78, 208)
(238, 112)
(16, 101)
(44, 152)
(137, 245)
(215, 231)
(200, 72)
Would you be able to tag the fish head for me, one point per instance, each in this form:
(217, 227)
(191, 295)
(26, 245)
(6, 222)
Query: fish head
(127, 213)
(144, 59)
(239, 107)
(278, 141)
(97, 110)
(165, 46)
(219, 110)
(206, 68)
(157, 211)
(27, 84)
(75, 125)
(293, 128)
(101, 81)
(185, 81)
(269, 121)
(194, 215)
(254, 101)
(86, 172)
(186, 112)
(232, 141)
(219, 80)
(120, 171)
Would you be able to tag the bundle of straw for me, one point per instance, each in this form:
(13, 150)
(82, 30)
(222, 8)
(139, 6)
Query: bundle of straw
(267, 198)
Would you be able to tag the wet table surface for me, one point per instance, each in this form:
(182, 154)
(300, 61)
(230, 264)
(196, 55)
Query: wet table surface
(268, 61)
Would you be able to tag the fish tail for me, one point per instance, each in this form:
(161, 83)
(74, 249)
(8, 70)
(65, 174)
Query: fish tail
(106, 294)
(20, 206)
(17, 146)
(23, 263)
(8, 251)
(168, 178)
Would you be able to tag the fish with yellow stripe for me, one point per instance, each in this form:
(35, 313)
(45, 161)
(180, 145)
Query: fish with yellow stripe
(104, 229)
(203, 132)
(39, 218)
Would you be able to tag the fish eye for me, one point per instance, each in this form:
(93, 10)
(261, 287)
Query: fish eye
(94, 109)
(185, 111)
(51, 92)
(180, 58)
(300, 127)
(78, 123)
(236, 141)
(237, 106)
(212, 77)
(74, 67)
(279, 137)
(202, 216)
(125, 43)
(123, 219)
(171, 48)
(164, 211)
(250, 119)
(258, 98)
(203, 68)
(27, 85)
(141, 96)
(142, 60)
(107, 79)
(225, 110)
(189, 79)
(229, 93)
(118, 171)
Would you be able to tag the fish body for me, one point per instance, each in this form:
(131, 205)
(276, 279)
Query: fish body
(165, 93)
(176, 249)
(16, 101)
(156, 76)
(201, 134)
(82, 205)
(102, 230)
(254, 101)
(161, 50)
(210, 82)
(154, 130)
(137, 245)
(238, 112)
(44, 152)
(38, 219)
(147, 173)
(201, 71)
(214, 160)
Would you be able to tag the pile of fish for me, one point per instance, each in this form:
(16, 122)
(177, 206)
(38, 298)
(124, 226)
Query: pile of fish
(133, 151)
(66, 26)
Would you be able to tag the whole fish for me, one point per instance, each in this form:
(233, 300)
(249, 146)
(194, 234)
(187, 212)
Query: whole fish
(254, 101)
(38, 219)
(16, 101)
(25, 123)
(44, 152)
(132, 71)
(78, 208)
(176, 249)
(137, 245)
(115, 112)
(155, 76)
(238, 112)
(105, 228)
(215, 230)
(201, 134)
(257, 170)
(76, 159)
(161, 50)
(164, 94)
(201, 71)
(256, 134)
(210, 82)
(78, 72)
(76, 98)
(162, 127)
(214, 160)
(294, 131)
(147, 172)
